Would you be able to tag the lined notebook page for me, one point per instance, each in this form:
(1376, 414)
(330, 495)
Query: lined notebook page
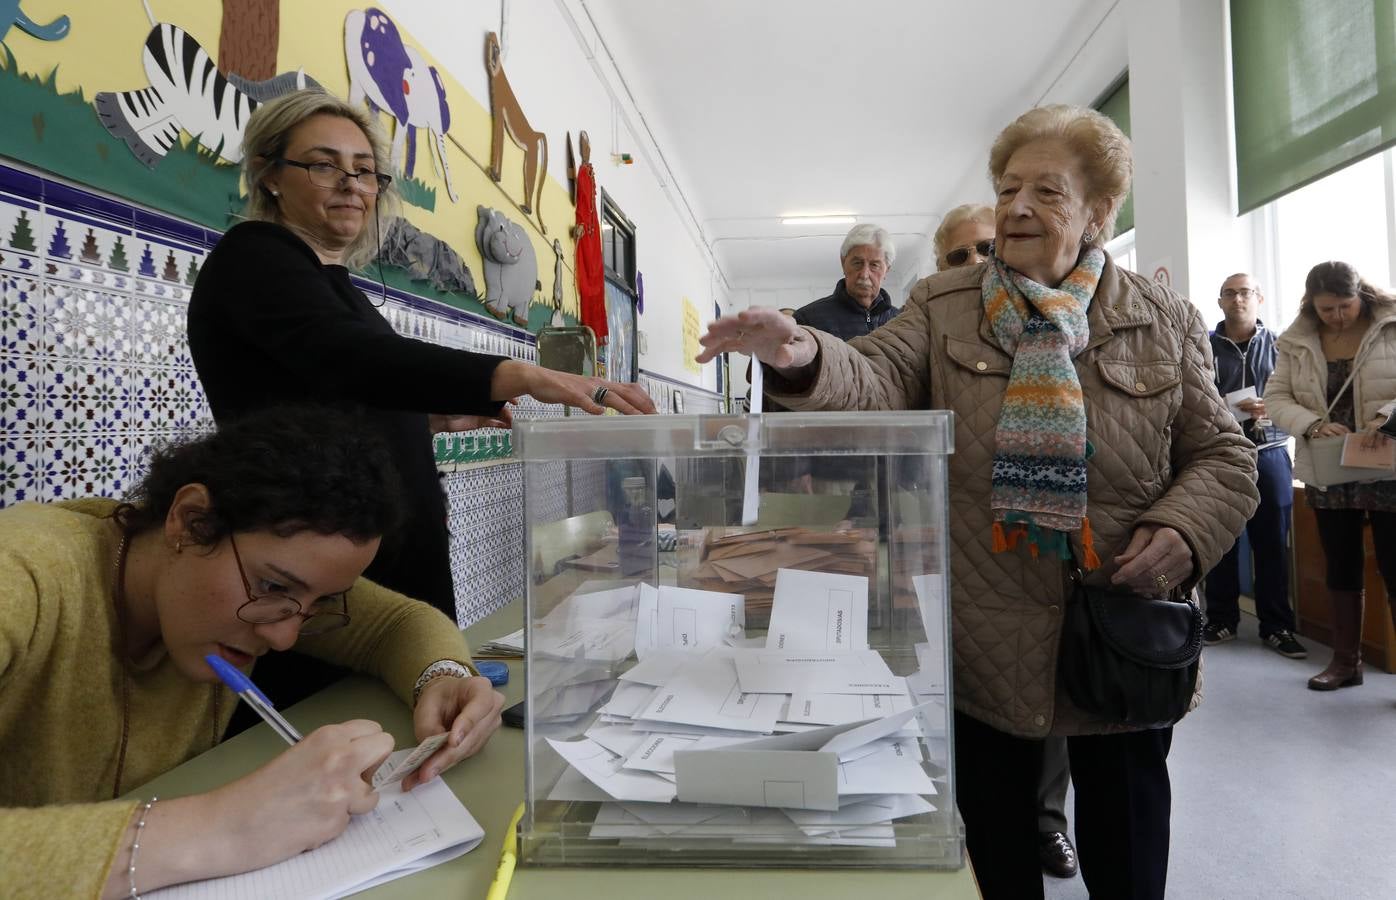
(391, 841)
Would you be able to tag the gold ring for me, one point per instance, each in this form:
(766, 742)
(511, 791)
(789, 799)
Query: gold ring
(1161, 581)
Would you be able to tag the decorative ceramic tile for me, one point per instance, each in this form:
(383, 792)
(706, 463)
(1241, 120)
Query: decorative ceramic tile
(86, 323)
(21, 468)
(86, 395)
(158, 332)
(21, 314)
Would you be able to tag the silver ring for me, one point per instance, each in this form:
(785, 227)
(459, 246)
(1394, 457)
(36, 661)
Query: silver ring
(599, 394)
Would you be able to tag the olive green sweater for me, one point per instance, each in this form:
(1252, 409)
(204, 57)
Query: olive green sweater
(60, 693)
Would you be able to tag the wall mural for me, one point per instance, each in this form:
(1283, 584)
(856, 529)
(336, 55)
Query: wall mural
(147, 99)
(396, 77)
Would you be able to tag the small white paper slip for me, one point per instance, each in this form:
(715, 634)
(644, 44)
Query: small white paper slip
(818, 611)
(387, 773)
(751, 485)
(1235, 397)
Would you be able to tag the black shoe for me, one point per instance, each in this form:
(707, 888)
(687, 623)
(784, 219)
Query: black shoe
(1217, 634)
(1057, 855)
(1283, 643)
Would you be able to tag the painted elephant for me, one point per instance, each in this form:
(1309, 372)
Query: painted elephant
(511, 267)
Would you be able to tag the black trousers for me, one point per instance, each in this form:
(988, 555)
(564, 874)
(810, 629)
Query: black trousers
(1340, 533)
(1268, 532)
(1123, 807)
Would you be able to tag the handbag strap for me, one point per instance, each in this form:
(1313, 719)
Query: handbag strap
(1357, 361)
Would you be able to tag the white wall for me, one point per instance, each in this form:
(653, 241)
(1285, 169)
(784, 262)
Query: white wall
(1184, 195)
(564, 82)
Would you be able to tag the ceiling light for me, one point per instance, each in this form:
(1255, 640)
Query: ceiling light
(819, 220)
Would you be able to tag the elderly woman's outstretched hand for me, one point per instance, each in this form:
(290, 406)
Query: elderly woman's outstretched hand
(763, 333)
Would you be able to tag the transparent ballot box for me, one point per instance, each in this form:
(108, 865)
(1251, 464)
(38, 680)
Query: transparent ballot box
(736, 636)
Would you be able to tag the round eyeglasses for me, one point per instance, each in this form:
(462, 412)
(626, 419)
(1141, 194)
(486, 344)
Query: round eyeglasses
(328, 175)
(263, 609)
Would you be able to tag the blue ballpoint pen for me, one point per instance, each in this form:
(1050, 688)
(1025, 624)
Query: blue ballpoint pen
(244, 688)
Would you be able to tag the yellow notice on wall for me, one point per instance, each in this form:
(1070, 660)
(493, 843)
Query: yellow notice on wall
(691, 329)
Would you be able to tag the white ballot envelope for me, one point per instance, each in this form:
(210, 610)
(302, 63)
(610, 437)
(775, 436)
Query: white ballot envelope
(780, 778)
(818, 611)
(706, 693)
(674, 618)
(774, 672)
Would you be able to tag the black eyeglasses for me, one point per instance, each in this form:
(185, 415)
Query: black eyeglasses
(328, 175)
(1243, 293)
(960, 255)
(262, 609)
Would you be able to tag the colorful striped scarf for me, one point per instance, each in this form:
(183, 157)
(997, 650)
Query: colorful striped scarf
(1039, 479)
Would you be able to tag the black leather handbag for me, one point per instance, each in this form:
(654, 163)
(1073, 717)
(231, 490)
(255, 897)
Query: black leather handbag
(1130, 658)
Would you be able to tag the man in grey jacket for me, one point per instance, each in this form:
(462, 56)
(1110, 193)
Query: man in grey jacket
(858, 304)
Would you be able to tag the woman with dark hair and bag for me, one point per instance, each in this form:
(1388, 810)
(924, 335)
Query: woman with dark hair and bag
(236, 543)
(1336, 376)
(1088, 435)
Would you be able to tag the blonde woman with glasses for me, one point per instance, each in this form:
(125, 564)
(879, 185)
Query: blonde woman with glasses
(276, 317)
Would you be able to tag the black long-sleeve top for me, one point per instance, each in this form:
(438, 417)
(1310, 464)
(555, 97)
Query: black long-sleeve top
(270, 324)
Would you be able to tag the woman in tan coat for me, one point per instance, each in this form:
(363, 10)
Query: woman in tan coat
(1119, 453)
(1336, 375)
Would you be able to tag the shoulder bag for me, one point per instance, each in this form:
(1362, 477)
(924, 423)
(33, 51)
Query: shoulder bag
(1326, 453)
(1127, 657)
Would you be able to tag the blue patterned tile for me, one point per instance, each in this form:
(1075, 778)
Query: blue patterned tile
(87, 395)
(21, 314)
(21, 469)
(158, 332)
(82, 322)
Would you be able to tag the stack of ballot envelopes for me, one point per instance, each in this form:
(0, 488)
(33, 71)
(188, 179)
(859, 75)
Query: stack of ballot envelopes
(748, 562)
(802, 736)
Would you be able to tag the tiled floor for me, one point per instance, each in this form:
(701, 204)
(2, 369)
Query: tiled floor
(1278, 791)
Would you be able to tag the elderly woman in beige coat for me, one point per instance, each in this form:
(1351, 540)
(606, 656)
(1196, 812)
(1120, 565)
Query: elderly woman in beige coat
(1335, 374)
(1087, 426)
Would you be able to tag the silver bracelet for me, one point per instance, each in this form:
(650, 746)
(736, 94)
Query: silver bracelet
(436, 670)
(136, 847)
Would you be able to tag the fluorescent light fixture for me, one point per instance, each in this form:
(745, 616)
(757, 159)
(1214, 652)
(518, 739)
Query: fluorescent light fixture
(819, 220)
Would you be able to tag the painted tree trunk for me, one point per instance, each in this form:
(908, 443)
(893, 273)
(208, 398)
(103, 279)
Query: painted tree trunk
(248, 40)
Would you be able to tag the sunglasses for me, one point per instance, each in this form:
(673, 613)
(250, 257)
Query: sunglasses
(960, 255)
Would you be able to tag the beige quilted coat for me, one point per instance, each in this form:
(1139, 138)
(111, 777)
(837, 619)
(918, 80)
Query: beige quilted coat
(1166, 451)
(1296, 395)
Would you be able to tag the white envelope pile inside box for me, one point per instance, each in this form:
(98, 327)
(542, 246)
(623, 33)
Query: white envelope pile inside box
(804, 736)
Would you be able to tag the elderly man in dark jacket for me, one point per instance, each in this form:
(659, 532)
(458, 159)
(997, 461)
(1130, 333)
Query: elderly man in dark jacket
(858, 303)
(1244, 350)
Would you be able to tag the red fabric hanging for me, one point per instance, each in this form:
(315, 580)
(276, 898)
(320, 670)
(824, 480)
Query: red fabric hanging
(591, 273)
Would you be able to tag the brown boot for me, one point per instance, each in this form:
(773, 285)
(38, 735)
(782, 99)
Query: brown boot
(1346, 667)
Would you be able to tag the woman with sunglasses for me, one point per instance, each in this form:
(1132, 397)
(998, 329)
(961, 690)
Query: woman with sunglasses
(275, 318)
(965, 237)
(234, 544)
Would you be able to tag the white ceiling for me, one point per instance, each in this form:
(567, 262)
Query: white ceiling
(880, 108)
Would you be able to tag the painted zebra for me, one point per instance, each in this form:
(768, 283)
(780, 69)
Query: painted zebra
(187, 93)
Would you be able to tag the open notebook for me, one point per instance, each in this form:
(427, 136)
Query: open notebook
(404, 834)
